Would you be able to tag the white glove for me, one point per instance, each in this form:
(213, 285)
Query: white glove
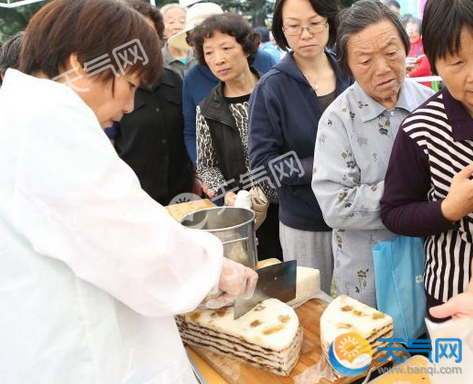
(236, 280)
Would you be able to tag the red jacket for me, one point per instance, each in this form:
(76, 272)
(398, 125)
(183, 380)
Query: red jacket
(423, 65)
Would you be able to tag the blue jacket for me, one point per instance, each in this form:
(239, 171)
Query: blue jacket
(198, 82)
(272, 50)
(284, 116)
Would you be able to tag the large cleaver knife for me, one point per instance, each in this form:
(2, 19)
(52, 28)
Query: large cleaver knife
(277, 281)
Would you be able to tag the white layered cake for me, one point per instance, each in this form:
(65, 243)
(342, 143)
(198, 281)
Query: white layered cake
(345, 314)
(268, 337)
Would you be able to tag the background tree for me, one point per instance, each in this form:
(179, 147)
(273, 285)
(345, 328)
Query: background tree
(13, 20)
(258, 12)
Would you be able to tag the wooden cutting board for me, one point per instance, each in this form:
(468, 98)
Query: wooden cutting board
(236, 372)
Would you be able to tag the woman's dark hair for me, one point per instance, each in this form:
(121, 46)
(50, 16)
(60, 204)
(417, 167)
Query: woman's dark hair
(359, 16)
(325, 8)
(10, 53)
(153, 13)
(231, 24)
(98, 31)
(441, 27)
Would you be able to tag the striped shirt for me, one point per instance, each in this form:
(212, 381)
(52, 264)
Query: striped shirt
(434, 143)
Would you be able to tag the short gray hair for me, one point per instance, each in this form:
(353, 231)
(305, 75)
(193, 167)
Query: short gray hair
(10, 53)
(168, 7)
(359, 16)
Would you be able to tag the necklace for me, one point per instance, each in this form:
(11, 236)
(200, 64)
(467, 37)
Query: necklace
(313, 84)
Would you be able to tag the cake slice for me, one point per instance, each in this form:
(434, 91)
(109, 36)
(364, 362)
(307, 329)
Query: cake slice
(345, 314)
(308, 282)
(268, 337)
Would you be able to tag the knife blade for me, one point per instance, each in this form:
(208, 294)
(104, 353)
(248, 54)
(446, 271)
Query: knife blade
(277, 281)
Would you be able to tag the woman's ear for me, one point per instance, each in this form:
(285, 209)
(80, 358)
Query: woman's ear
(72, 74)
(73, 65)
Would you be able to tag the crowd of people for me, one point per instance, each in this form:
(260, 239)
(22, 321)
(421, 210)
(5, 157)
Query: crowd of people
(327, 121)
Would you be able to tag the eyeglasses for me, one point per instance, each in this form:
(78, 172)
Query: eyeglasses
(295, 30)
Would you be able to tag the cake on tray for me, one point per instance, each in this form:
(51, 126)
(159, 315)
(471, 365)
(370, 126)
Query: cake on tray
(344, 315)
(267, 337)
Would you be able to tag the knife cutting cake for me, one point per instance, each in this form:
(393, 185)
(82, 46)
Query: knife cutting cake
(345, 314)
(268, 337)
(307, 284)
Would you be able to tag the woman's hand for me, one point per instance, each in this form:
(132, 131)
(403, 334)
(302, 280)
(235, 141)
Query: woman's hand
(229, 199)
(459, 201)
(197, 186)
(458, 306)
(208, 191)
(236, 280)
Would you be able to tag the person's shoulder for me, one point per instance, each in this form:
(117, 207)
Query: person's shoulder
(417, 89)
(192, 73)
(433, 106)
(48, 95)
(429, 99)
(263, 61)
(170, 77)
(262, 55)
(350, 96)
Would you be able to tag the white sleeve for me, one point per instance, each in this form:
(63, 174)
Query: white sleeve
(78, 202)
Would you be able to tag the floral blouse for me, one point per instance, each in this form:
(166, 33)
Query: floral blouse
(354, 142)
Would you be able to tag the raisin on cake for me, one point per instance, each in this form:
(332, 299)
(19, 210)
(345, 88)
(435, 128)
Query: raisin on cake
(268, 337)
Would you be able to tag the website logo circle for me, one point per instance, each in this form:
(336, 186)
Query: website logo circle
(350, 354)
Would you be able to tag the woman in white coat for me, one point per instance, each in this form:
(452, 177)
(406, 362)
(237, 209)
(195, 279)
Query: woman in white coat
(92, 269)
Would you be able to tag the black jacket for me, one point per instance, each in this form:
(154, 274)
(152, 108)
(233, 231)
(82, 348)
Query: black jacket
(150, 139)
(225, 135)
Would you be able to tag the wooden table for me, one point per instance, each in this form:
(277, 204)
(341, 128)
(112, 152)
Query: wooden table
(232, 371)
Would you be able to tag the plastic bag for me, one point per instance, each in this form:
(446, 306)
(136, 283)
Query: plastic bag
(460, 328)
(399, 276)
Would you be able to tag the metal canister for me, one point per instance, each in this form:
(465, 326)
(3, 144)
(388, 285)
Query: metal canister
(235, 227)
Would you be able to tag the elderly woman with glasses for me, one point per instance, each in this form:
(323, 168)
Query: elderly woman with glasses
(356, 135)
(285, 109)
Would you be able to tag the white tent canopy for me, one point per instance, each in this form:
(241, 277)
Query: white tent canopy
(18, 3)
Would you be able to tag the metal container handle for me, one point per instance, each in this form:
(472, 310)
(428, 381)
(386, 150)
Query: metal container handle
(235, 241)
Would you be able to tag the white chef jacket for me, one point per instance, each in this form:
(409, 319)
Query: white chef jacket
(92, 269)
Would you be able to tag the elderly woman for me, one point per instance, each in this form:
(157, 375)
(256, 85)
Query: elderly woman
(93, 270)
(428, 189)
(285, 110)
(224, 43)
(178, 60)
(356, 134)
